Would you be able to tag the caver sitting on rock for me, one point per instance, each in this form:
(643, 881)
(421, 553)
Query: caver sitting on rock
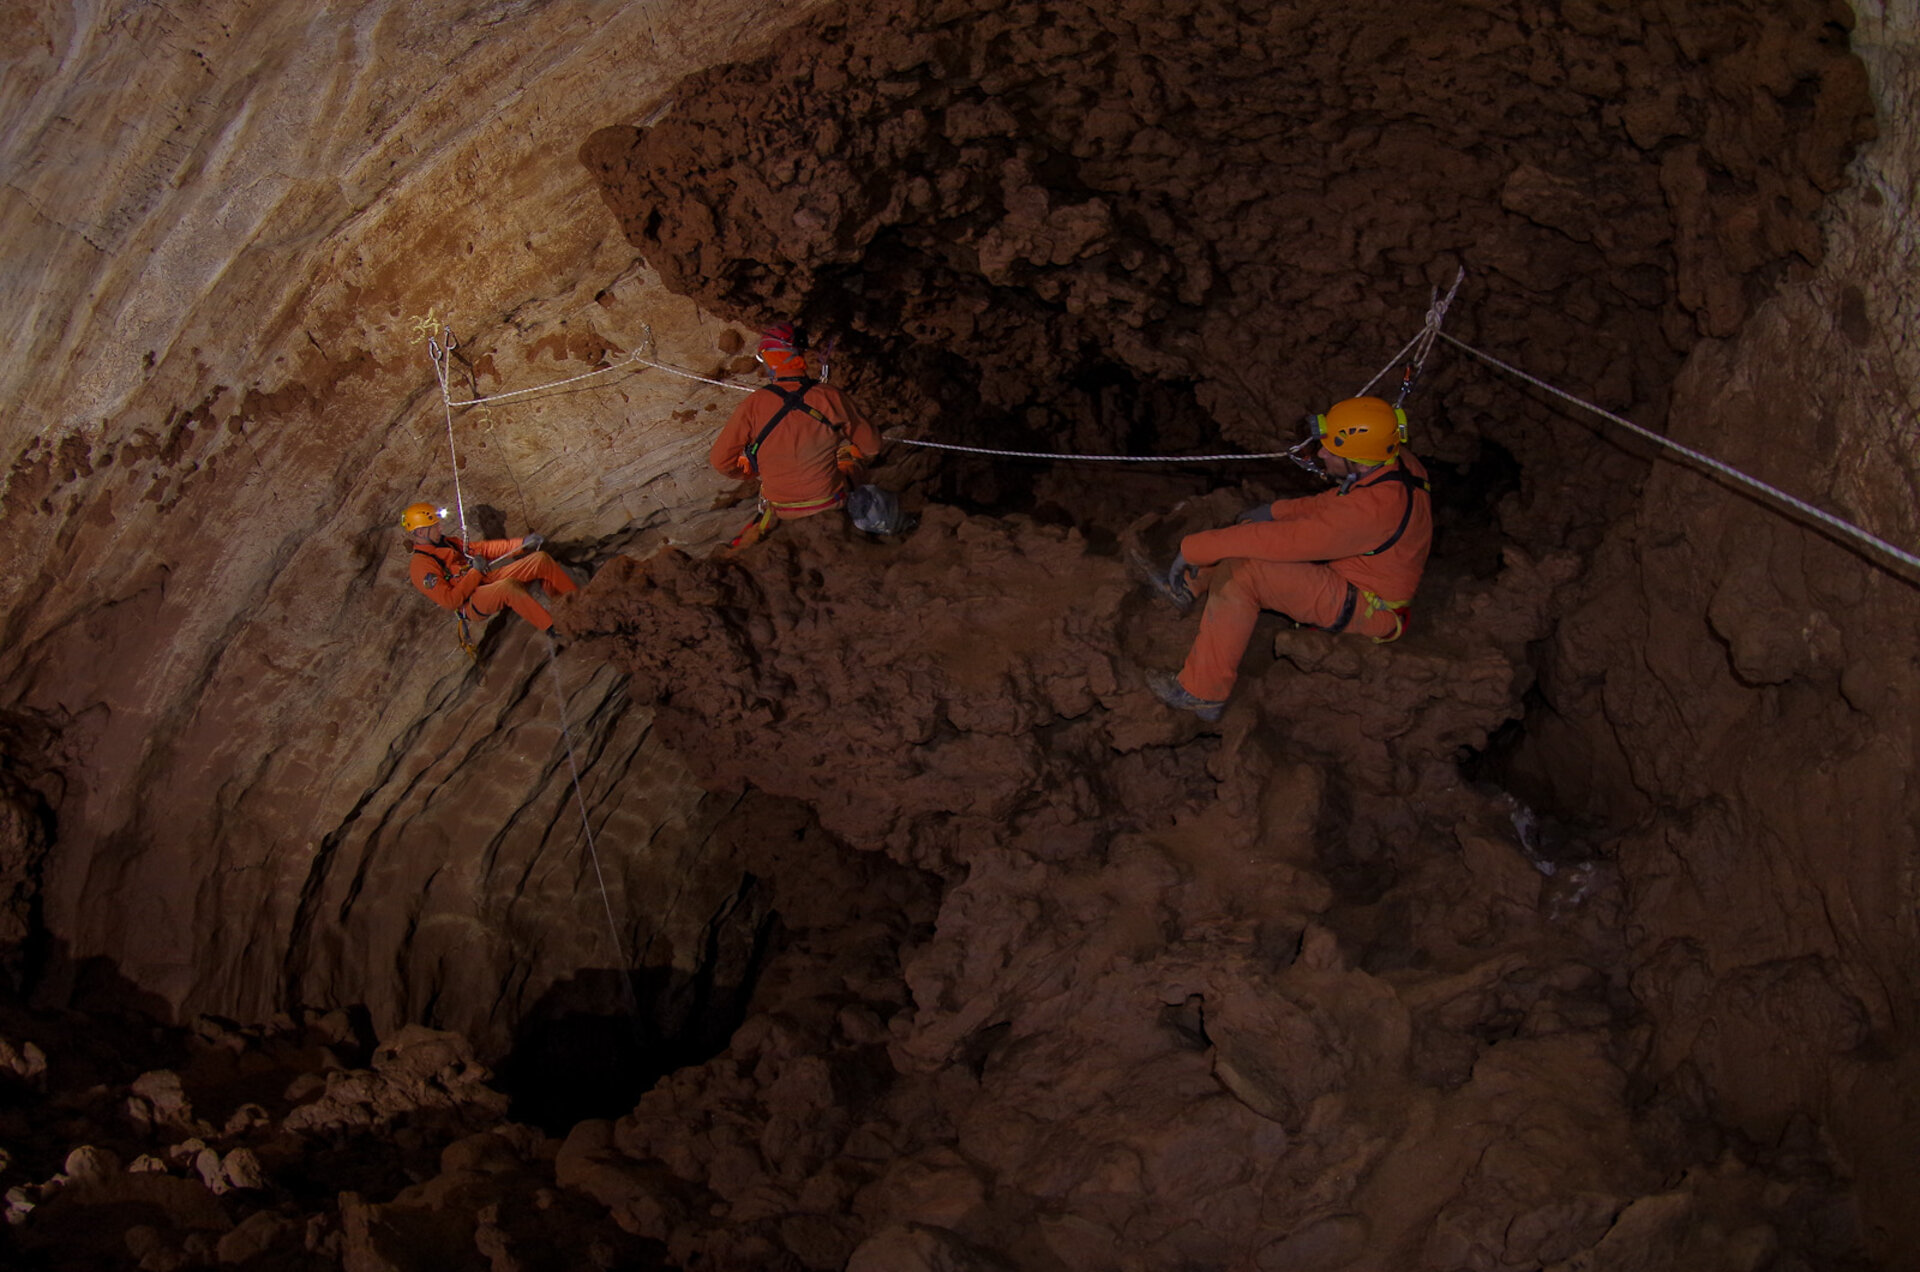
(805, 441)
(474, 579)
(1346, 560)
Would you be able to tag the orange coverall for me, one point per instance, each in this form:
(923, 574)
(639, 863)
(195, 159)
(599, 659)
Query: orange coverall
(441, 572)
(1302, 563)
(799, 472)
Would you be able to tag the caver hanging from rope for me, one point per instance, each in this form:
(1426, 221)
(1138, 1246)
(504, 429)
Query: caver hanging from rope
(475, 580)
(1345, 560)
(805, 441)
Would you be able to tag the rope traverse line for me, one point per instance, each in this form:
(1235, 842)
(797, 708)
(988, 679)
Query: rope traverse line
(1098, 459)
(1818, 514)
(632, 359)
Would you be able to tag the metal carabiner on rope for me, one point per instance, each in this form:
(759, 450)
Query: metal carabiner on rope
(1302, 451)
(1406, 387)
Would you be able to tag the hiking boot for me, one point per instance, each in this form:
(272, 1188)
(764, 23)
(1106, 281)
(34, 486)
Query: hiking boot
(1169, 583)
(1167, 687)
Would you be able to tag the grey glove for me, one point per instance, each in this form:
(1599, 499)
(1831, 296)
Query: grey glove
(531, 542)
(1259, 512)
(1177, 590)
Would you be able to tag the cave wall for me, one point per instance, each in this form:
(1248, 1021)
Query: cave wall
(275, 778)
(1254, 202)
(275, 769)
(1771, 859)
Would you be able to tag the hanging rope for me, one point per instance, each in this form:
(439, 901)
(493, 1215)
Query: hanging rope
(440, 354)
(1824, 517)
(1422, 343)
(580, 799)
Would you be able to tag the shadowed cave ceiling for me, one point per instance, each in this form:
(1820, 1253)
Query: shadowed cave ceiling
(1575, 930)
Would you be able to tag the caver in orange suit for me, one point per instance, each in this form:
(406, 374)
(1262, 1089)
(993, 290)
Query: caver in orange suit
(440, 568)
(1344, 560)
(809, 459)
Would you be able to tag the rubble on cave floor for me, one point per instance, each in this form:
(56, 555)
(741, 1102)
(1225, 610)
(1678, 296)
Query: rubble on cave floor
(1055, 978)
(1284, 993)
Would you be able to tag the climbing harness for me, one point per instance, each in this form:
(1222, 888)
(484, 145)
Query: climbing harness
(1399, 475)
(791, 400)
(1368, 604)
(764, 519)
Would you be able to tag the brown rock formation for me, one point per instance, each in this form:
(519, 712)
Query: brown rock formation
(960, 952)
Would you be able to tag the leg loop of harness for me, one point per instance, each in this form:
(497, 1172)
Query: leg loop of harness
(1339, 624)
(759, 528)
(1398, 609)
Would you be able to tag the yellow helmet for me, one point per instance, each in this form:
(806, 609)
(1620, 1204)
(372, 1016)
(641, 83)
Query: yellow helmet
(420, 515)
(1364, 430)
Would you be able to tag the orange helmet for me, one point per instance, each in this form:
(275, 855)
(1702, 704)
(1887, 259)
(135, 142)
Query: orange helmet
(1364, 430)
(420, 515)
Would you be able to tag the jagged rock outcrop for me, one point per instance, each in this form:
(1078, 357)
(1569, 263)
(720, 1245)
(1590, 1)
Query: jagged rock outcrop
(1297, 997)
(243, 769)
(1046, 215)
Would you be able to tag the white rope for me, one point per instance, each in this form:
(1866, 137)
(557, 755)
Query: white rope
(586, 822)
(1818, 514)
(1098, 459)
(1398, 358)
(439, 357)
(1422, 343)
(632, 359)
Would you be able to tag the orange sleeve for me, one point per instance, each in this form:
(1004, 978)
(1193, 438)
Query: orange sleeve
(730, 447)
(1324, 527)
(860, 431)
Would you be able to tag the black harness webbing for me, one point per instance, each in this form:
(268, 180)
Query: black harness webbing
(445, 569)
(1412, 483)
(1339, 624)
(790, 400)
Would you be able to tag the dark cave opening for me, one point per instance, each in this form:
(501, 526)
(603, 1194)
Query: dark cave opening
(596, 1041)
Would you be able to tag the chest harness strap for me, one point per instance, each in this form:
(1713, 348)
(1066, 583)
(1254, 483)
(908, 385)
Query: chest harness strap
(1400, 474)
(1370, 603)
(790, 400)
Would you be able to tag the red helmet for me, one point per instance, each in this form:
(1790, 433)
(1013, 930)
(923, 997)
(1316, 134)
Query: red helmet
(782, 349)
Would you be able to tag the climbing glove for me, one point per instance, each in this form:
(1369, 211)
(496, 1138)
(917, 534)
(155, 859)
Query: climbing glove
(1259, 512)
(1178, 589)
